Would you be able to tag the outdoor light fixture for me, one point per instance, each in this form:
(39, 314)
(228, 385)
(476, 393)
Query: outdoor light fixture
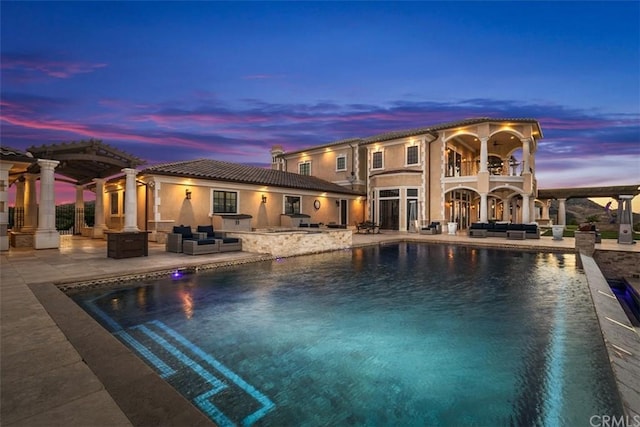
(187, 194)
(264, 199)
(338, 203)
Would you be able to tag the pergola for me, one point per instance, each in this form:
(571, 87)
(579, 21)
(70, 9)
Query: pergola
(84, 161)
(78, 163)
(622, 193)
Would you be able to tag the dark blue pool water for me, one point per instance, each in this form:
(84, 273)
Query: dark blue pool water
(402, 335)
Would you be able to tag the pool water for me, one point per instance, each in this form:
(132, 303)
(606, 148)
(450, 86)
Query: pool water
(403, 334)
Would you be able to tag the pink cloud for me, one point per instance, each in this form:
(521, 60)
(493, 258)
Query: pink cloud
(59, 68)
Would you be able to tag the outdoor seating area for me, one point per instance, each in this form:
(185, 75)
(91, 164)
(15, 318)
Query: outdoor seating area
(205, 240)
(504, 229)
(367, 227)
(434, 228)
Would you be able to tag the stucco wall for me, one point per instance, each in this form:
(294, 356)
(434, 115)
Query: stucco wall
(174, 209)
(323, 163)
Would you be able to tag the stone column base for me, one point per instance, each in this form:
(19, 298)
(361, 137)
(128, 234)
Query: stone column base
(46, 239)
(585, 244)
(98, 232)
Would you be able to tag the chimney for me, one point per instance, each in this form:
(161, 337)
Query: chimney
(277, 158)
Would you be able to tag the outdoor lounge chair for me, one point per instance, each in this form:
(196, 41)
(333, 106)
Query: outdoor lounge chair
(179, 234)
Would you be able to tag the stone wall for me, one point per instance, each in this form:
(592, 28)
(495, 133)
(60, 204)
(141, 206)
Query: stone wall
(618, 264)
(294, 242)
(159, 230)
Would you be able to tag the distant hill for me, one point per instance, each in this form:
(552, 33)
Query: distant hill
(578, 210)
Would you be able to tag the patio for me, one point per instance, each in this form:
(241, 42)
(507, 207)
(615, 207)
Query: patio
(58, 367)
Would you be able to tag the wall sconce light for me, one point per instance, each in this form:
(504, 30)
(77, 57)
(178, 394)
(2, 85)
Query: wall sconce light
(337, 203)
(264, 199)
(187, 194)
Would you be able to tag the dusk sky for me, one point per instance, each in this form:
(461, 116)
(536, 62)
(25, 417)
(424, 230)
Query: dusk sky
(172, 81)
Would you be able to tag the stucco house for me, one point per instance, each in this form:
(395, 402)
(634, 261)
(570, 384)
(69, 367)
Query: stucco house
(229, 196)
(477, 169)
(465, 171)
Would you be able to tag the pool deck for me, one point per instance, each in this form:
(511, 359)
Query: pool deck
(59, 368)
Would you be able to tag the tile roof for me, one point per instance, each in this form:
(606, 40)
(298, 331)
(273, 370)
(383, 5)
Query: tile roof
(386, 136)
(8, 153)
(422, 130)
(357, 141)
(234, 172)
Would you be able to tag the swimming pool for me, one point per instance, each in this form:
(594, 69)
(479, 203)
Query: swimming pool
(403, 334)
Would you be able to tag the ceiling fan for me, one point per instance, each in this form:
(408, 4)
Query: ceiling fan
(496, 143)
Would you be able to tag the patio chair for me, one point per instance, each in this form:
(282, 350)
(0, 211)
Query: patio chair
(179, 234)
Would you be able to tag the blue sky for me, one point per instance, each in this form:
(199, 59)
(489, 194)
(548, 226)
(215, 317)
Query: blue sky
(170, 81)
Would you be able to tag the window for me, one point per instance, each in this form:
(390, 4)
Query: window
(377, 160)
(305, 168)
(412, 192)
(225, 202)
(389, 193)
(114, 203)
(341, 163)
(292, 205)
(412, 155)
(454, 163)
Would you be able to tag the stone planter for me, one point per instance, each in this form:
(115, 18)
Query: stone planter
(557, 231)
(453, 227)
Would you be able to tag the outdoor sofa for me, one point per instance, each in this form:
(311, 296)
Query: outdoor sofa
(204, 240)
(502, 229)
(227, 244)
(434, 228)
(367, 227)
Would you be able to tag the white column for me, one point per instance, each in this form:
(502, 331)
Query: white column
(130, 201)
(4, 206)
(484, 155)
(31, 204)
(526, 209)
(562, 212)
(545, 210)
(47, 236)
(99, 225)
(483, 207)
(506, 208)
(526, 154)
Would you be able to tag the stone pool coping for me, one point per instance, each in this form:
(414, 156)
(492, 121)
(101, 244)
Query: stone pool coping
(621, 338)
(144, 397)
